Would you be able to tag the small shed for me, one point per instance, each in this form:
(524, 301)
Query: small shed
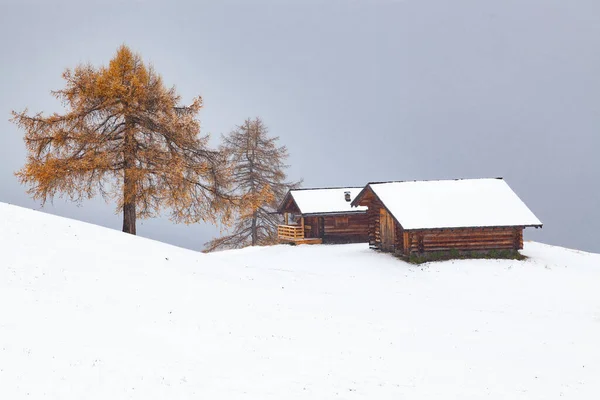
(412, 217)
(323, 215)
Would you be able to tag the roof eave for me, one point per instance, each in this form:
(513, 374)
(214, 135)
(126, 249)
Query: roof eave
(284, 201)
(359, 195)
(318, 214)
(476, 227)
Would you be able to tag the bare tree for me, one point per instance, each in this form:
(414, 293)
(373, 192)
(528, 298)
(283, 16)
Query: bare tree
(258, 181)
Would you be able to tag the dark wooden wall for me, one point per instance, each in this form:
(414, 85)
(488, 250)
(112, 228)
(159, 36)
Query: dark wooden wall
(349, 228)
(467, 239)
(373, 214)
(430, 240)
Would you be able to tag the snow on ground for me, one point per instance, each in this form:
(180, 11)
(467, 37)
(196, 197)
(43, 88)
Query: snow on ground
(90, 313)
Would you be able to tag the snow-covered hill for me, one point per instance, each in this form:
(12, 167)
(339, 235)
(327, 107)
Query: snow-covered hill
(90, 313)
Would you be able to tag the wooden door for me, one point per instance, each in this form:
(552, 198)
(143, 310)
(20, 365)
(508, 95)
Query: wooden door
(321, 227)
(387, 230)
(315, 227)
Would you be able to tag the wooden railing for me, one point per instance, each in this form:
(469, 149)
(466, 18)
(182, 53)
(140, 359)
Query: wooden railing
(290, 232)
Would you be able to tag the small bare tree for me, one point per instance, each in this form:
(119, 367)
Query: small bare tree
(258, 181)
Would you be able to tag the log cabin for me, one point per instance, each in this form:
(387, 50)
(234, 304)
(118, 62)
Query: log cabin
(322, 215)
(465, 215)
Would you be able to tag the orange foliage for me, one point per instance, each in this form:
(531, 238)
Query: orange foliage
(125, 136)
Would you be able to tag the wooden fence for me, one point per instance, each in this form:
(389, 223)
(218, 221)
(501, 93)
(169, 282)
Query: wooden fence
(290, 232)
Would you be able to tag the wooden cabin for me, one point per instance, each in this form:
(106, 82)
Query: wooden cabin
(322, 215)
(419, 217)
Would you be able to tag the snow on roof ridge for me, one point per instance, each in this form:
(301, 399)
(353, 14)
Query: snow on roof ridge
(433, 180)
(330, 187)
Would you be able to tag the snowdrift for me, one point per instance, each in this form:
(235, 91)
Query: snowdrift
(90, 313)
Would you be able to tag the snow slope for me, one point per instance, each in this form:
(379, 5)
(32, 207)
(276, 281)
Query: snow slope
(90, 313)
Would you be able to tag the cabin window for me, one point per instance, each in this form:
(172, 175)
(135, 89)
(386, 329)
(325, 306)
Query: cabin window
(341, 222)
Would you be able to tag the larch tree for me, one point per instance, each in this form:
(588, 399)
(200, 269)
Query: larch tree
(258, 181)
(125, 136)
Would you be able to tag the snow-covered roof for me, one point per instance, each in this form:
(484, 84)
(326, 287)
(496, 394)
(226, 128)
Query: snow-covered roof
(454, 204)
(326, 200)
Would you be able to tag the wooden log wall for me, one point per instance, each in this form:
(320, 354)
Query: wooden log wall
(349, 228)
(374, 232)
(352, 228)
(465, 239)
(400, 234)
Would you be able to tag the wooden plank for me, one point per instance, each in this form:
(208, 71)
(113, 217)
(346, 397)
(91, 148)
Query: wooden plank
(456, 230)
(302, 241)
(469, 240)
(475, 248)
(469, 233)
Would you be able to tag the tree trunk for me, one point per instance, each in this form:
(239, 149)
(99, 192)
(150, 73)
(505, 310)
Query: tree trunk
(129, 184)
(254, 233)
(252, 186)
(129, 218)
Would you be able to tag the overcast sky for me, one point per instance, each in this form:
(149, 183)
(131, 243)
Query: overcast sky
(358, 90)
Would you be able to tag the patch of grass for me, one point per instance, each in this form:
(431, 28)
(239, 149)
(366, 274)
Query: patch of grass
(493, 254)
(454, 254)
(417, 259)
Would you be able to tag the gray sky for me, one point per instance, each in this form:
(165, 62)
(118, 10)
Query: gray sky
(358, 90)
